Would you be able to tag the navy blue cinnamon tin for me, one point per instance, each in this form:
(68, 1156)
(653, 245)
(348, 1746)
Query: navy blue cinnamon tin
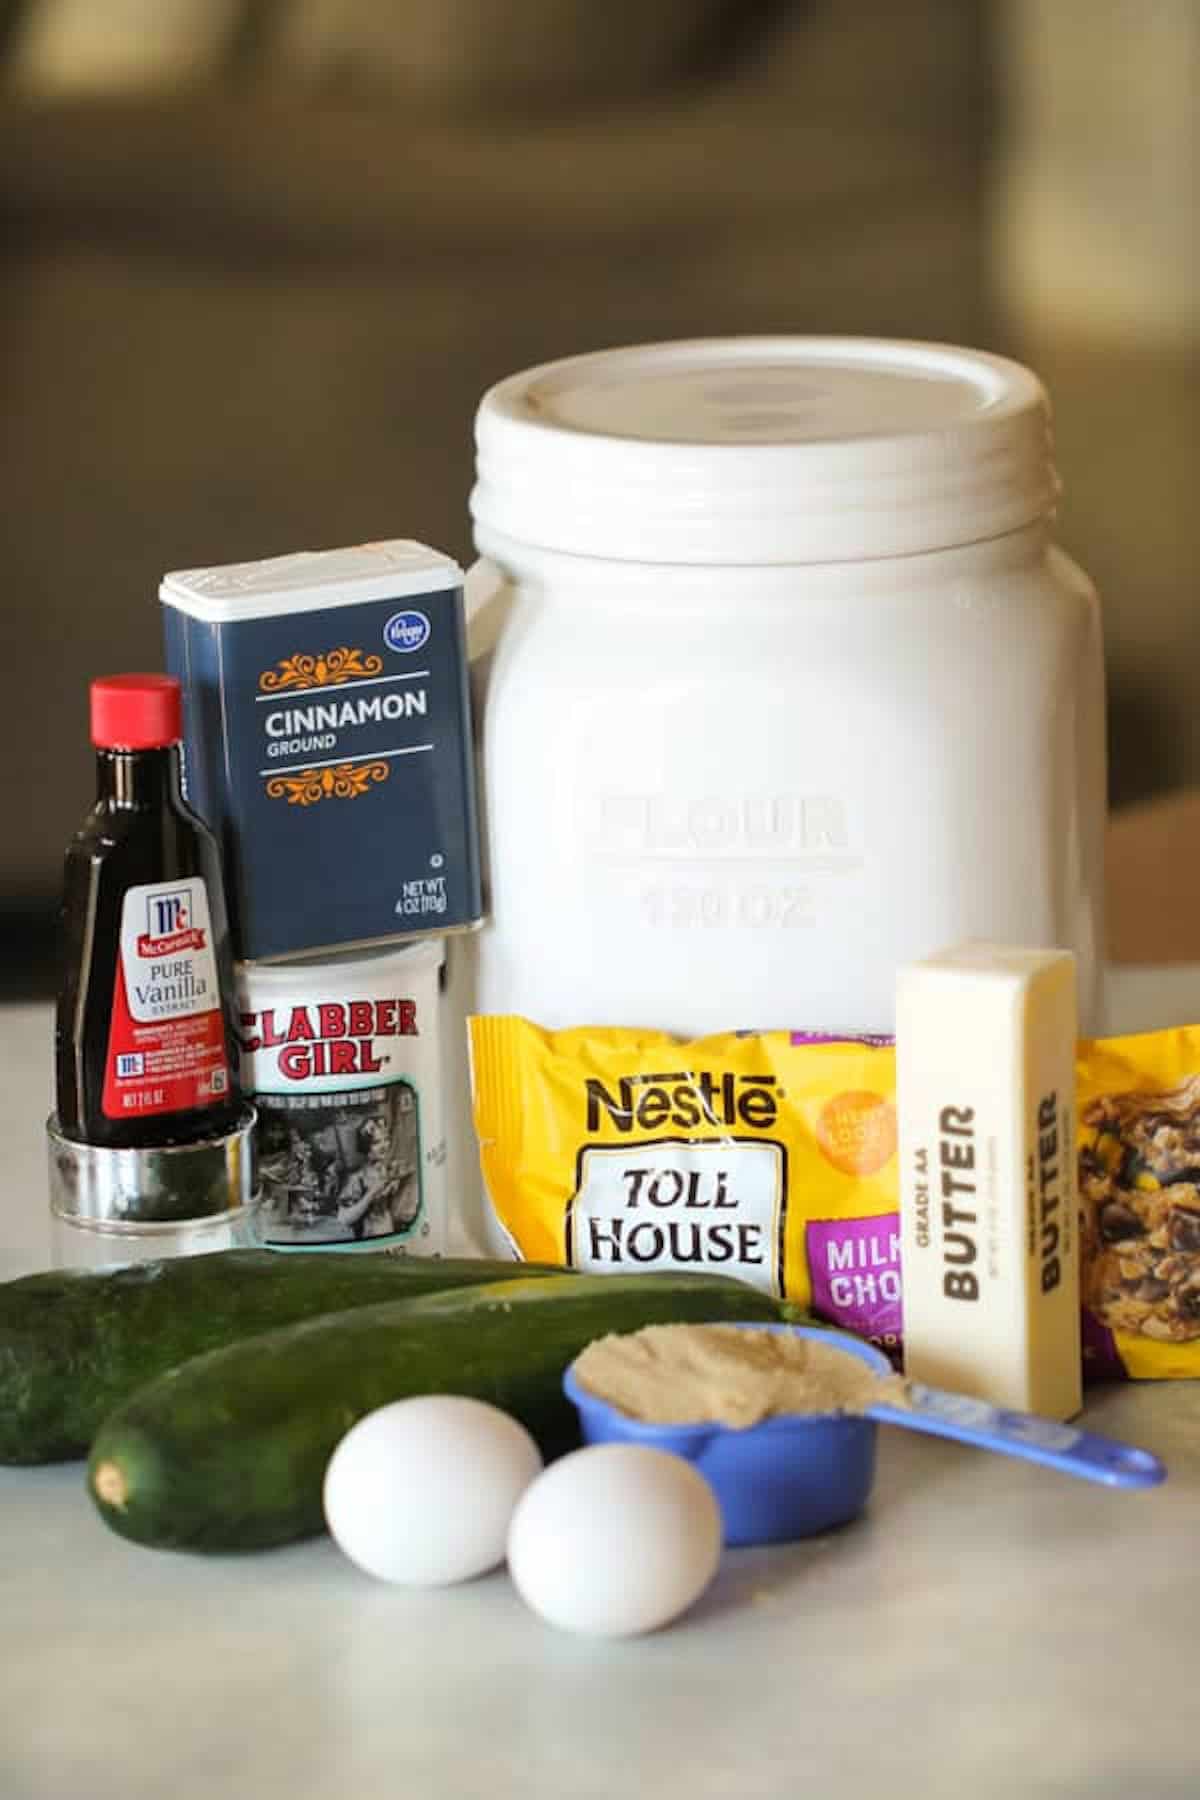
(327, 741)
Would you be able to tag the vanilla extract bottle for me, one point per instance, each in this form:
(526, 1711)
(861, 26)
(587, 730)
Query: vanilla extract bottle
(146, 1054)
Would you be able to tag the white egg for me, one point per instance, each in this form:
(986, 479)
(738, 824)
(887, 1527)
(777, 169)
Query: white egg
(422, 1491)
(614, 1540)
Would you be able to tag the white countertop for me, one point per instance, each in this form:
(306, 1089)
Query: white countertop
(989, 1629)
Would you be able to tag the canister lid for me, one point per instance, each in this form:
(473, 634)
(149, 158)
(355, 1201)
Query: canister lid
(752, 450)
(309, 581)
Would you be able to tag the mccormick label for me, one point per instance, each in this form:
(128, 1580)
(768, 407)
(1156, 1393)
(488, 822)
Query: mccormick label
(327, 741)
(342, 1063)
(166, 1043)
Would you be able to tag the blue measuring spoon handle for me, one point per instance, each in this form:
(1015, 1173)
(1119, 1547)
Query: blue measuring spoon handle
(1065, 1447)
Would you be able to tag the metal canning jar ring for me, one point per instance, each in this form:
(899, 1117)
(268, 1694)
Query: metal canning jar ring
(167, 1184)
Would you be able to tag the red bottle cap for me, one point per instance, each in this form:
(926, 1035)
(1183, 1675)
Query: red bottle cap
(136, 712)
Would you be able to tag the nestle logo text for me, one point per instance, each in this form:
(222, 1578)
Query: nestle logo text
(684, 1099)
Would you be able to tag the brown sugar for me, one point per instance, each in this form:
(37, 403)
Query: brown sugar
(689, 1374)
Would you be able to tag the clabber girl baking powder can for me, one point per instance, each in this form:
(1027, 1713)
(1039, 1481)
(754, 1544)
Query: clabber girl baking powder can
(341, 1055)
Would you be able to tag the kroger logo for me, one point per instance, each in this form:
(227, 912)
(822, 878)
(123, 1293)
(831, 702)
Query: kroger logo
(406, 631)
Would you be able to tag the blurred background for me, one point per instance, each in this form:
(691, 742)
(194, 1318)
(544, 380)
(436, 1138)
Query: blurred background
(263, 257)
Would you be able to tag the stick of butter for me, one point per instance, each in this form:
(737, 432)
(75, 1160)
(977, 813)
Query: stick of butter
(989, 1239)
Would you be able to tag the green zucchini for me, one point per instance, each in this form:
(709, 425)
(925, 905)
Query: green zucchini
(228, 1452)
(74, 1344)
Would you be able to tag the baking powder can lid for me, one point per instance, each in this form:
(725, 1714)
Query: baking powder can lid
(764, 450)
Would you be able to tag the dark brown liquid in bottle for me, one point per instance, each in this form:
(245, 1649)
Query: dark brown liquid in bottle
(139, 831)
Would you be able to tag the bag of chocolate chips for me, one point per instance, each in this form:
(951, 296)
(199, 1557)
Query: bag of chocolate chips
(1139, 1197)
(772, 1156)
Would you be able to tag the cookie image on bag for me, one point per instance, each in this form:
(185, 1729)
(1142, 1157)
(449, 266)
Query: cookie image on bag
(1139, 1190)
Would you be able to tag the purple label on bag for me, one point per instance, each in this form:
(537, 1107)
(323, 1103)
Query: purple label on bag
(854, 1267)
(1101, 1358)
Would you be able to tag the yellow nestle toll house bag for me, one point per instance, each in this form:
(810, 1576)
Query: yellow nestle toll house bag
(772, 1156)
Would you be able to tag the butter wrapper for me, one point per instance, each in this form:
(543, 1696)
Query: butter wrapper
(985, 1039)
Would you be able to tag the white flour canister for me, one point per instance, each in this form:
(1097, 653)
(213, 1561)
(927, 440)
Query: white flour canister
(781, 683)
(342, 1057)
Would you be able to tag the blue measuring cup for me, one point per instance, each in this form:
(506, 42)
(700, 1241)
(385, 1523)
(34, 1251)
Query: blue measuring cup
(797, 1474)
